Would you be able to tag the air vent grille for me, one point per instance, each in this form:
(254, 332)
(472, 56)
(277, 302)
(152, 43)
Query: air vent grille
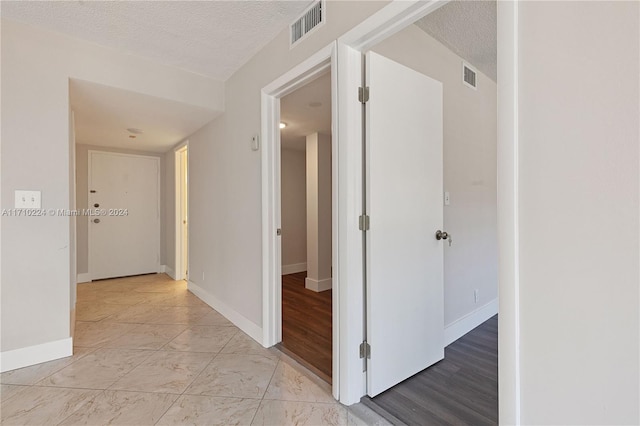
(310, 19)
(469, 76)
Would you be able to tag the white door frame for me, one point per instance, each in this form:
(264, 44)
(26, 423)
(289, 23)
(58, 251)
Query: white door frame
(302, 74)
(179, 229)
(121, 154)
(397, 15)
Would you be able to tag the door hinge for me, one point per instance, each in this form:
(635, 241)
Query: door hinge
(363, 94)
(365, 350)
(363, 222)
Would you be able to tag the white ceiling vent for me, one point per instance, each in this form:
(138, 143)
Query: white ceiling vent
(312, 18)
(469, 76)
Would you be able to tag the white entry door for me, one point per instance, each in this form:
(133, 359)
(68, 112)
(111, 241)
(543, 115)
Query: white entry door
(125, 239)
(405, 301)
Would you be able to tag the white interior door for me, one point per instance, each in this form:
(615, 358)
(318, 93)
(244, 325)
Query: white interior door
(125, 239)
(405, 301)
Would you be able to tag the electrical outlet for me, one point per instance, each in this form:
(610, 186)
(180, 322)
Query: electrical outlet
(476, 295)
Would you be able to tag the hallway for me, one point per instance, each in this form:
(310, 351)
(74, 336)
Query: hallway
(150, 352)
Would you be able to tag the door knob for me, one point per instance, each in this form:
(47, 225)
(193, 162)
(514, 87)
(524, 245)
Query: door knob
(441, 235)
(96, 220)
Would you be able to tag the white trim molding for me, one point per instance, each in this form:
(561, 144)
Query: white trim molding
(294, 268)
(84, 277)
(253, 330)
(317, 285)
(462, 326)
(36, 354)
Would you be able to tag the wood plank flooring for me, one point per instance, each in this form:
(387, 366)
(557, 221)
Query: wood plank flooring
(462, 389)
(306, 324)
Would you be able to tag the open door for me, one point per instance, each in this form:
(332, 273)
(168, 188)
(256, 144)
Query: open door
(404, 198)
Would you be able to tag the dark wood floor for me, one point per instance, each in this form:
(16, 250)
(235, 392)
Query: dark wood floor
(306, 324)
(462, 389)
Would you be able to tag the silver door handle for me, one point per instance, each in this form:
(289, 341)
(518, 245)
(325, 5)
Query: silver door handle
(441, 235)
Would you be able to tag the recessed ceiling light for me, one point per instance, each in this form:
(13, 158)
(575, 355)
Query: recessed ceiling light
(134, 131)
(315, 104)
(283, 124)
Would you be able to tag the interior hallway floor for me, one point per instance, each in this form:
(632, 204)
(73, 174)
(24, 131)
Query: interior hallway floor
(462, 389)
(147, 351)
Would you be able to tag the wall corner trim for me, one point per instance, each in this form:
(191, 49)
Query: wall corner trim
(294, 268)
(318, 285)
(253, 330)
(85, 277)
(36, 354)
(462, 326)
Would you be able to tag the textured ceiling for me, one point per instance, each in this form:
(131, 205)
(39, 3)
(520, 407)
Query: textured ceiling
(468, 28)
(103, 114)
(212, 38)
(303, 115)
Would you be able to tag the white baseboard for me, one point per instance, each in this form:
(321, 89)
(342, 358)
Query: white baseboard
(84, 278)
(294, 268)
(462, 326)
(32, 355)
(167, 270)
(317, 285)
(253, 330)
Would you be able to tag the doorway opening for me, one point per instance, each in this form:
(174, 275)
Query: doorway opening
(460, 385)
(306, 223)
(182, 212)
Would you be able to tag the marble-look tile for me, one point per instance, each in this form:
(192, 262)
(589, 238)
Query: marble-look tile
(234, 375)
(147, 336)
(211, 411)
(175, 298)
(241, 343)
(165, 372)
(7, 391)
(178, 314)
(277, 413)
(138, 314)
(291, 384)
(97, 334)
(122, 408)
(98, 370)
(96, 310)
(44, 405)
(214, 318)
(202, 338)
(361, 415)
(33, 374)
(127, 298)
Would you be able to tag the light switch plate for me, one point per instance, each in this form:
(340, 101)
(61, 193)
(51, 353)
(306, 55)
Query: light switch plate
(255, 142)
(447, 199)
(28, 199)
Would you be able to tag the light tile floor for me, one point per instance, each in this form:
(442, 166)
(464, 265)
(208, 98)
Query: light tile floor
(150, 352)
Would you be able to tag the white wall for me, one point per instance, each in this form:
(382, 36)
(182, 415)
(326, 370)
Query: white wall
(294, 209)
(469, 170)
(82, 180)
(225, 175)
(36, 67)
(579, 126)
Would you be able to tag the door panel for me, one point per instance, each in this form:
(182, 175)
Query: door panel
(125, 241)
(405, 319)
